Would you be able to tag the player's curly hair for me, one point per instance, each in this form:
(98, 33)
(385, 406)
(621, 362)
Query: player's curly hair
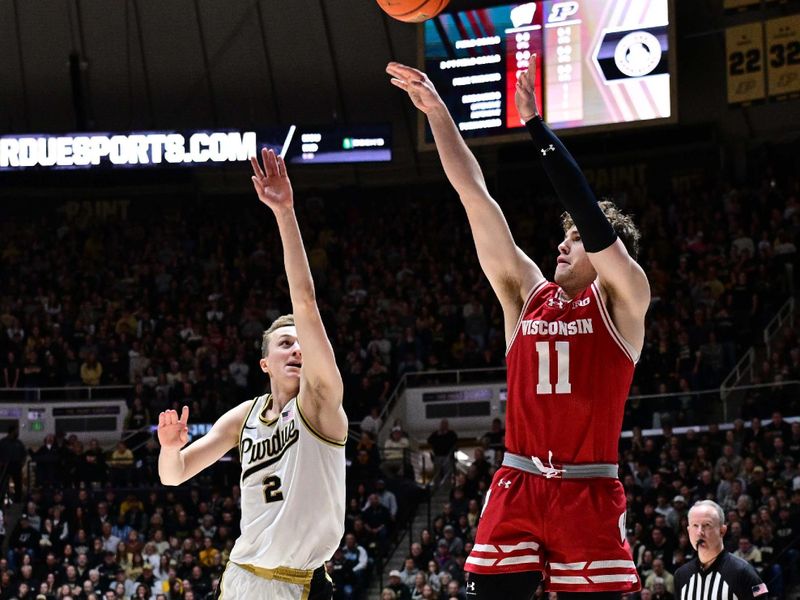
(282, 321)
(622, 224)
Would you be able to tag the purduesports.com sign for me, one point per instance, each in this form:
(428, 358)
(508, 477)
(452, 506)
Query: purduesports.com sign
(126, 150)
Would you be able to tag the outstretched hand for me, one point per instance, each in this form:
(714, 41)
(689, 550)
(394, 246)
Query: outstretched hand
(272, 183)
(173, 431)
(420, 89)
(525, 94)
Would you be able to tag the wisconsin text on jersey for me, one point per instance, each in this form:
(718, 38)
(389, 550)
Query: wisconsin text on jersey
(273, 448)
(576, 327)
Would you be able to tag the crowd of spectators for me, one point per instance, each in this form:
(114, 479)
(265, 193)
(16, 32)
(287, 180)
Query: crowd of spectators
(172, 304)
(84, 544)
(91, 540)
(751, 470)
(96, 524)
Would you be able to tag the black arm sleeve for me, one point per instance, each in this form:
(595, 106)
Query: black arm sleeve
(572, 188)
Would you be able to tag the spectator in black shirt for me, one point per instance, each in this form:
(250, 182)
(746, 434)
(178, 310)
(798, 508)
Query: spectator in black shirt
(341, 574)
(26, 576)
(786, 530)
(706, 488)
(715, 574)
(363, 470)
(397, 586)
(12, 454)
(92, 467)
(661, 547)
(496, 436)
(755, 433)
(72, 577)
(778, 427)
(24, 592)
(481, 464)
(377, 520)
(48, 462)
(201, 584)
(147, 577)
(442, 442)
(24, 540)
(793, 442)
(11, 375)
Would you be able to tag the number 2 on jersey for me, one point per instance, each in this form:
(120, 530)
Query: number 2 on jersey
(563, 386)
(272, 489)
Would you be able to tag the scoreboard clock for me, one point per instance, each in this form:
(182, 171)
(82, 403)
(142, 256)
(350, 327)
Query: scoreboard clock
(598, 64)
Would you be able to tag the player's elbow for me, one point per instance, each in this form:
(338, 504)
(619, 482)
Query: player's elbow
(473, 194)
(170, 479)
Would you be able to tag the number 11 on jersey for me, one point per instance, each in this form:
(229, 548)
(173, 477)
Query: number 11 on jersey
(563, 386)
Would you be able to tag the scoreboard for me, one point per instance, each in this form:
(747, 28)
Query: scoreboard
(597, 64)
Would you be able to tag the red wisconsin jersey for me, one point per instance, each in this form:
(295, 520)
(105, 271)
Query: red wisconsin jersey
(569, 374)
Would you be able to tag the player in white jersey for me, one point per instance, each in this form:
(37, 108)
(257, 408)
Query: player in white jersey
(291, 441)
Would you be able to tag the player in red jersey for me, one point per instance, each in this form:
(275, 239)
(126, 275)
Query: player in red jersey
(556, 508)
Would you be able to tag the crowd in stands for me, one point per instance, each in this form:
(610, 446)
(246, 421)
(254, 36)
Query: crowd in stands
(751, 470)
(172, 303)
(96, 524)
(79, 538)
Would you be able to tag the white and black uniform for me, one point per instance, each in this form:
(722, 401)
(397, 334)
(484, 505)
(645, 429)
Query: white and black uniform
(293, 503)
(728, 578)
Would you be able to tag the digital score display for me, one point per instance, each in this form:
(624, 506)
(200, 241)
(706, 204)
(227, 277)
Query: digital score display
(306, 145)
(597, 63)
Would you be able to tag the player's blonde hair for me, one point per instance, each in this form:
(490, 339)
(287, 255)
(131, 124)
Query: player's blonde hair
(282, 321)
(621, 223)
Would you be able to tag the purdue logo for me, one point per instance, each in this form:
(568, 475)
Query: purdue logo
(272, 447)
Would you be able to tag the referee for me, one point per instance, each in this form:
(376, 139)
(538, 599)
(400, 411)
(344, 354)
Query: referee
(715, 574)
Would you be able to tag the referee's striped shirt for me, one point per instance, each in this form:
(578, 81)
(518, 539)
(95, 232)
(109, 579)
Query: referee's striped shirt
(728, 578)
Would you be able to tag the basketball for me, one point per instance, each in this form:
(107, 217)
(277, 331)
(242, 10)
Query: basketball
(413, 11)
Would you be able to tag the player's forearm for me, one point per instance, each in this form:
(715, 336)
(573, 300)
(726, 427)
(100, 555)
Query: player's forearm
(171, 466)
(298, 273)
(460, 165)
(571, 187)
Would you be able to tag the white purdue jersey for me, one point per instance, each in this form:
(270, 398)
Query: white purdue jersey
(293, 491)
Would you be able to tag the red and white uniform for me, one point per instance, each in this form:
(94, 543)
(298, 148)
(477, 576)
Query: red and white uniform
(569, 374)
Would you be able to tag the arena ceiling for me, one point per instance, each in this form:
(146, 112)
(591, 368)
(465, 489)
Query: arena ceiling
(200, 64)
(162, 64)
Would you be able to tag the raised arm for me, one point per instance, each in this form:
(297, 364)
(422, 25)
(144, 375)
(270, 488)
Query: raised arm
(510, 271)
(321, 386)
(621, 278)
(177, 464)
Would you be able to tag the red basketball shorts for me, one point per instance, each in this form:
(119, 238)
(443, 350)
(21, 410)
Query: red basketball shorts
(572, 530)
